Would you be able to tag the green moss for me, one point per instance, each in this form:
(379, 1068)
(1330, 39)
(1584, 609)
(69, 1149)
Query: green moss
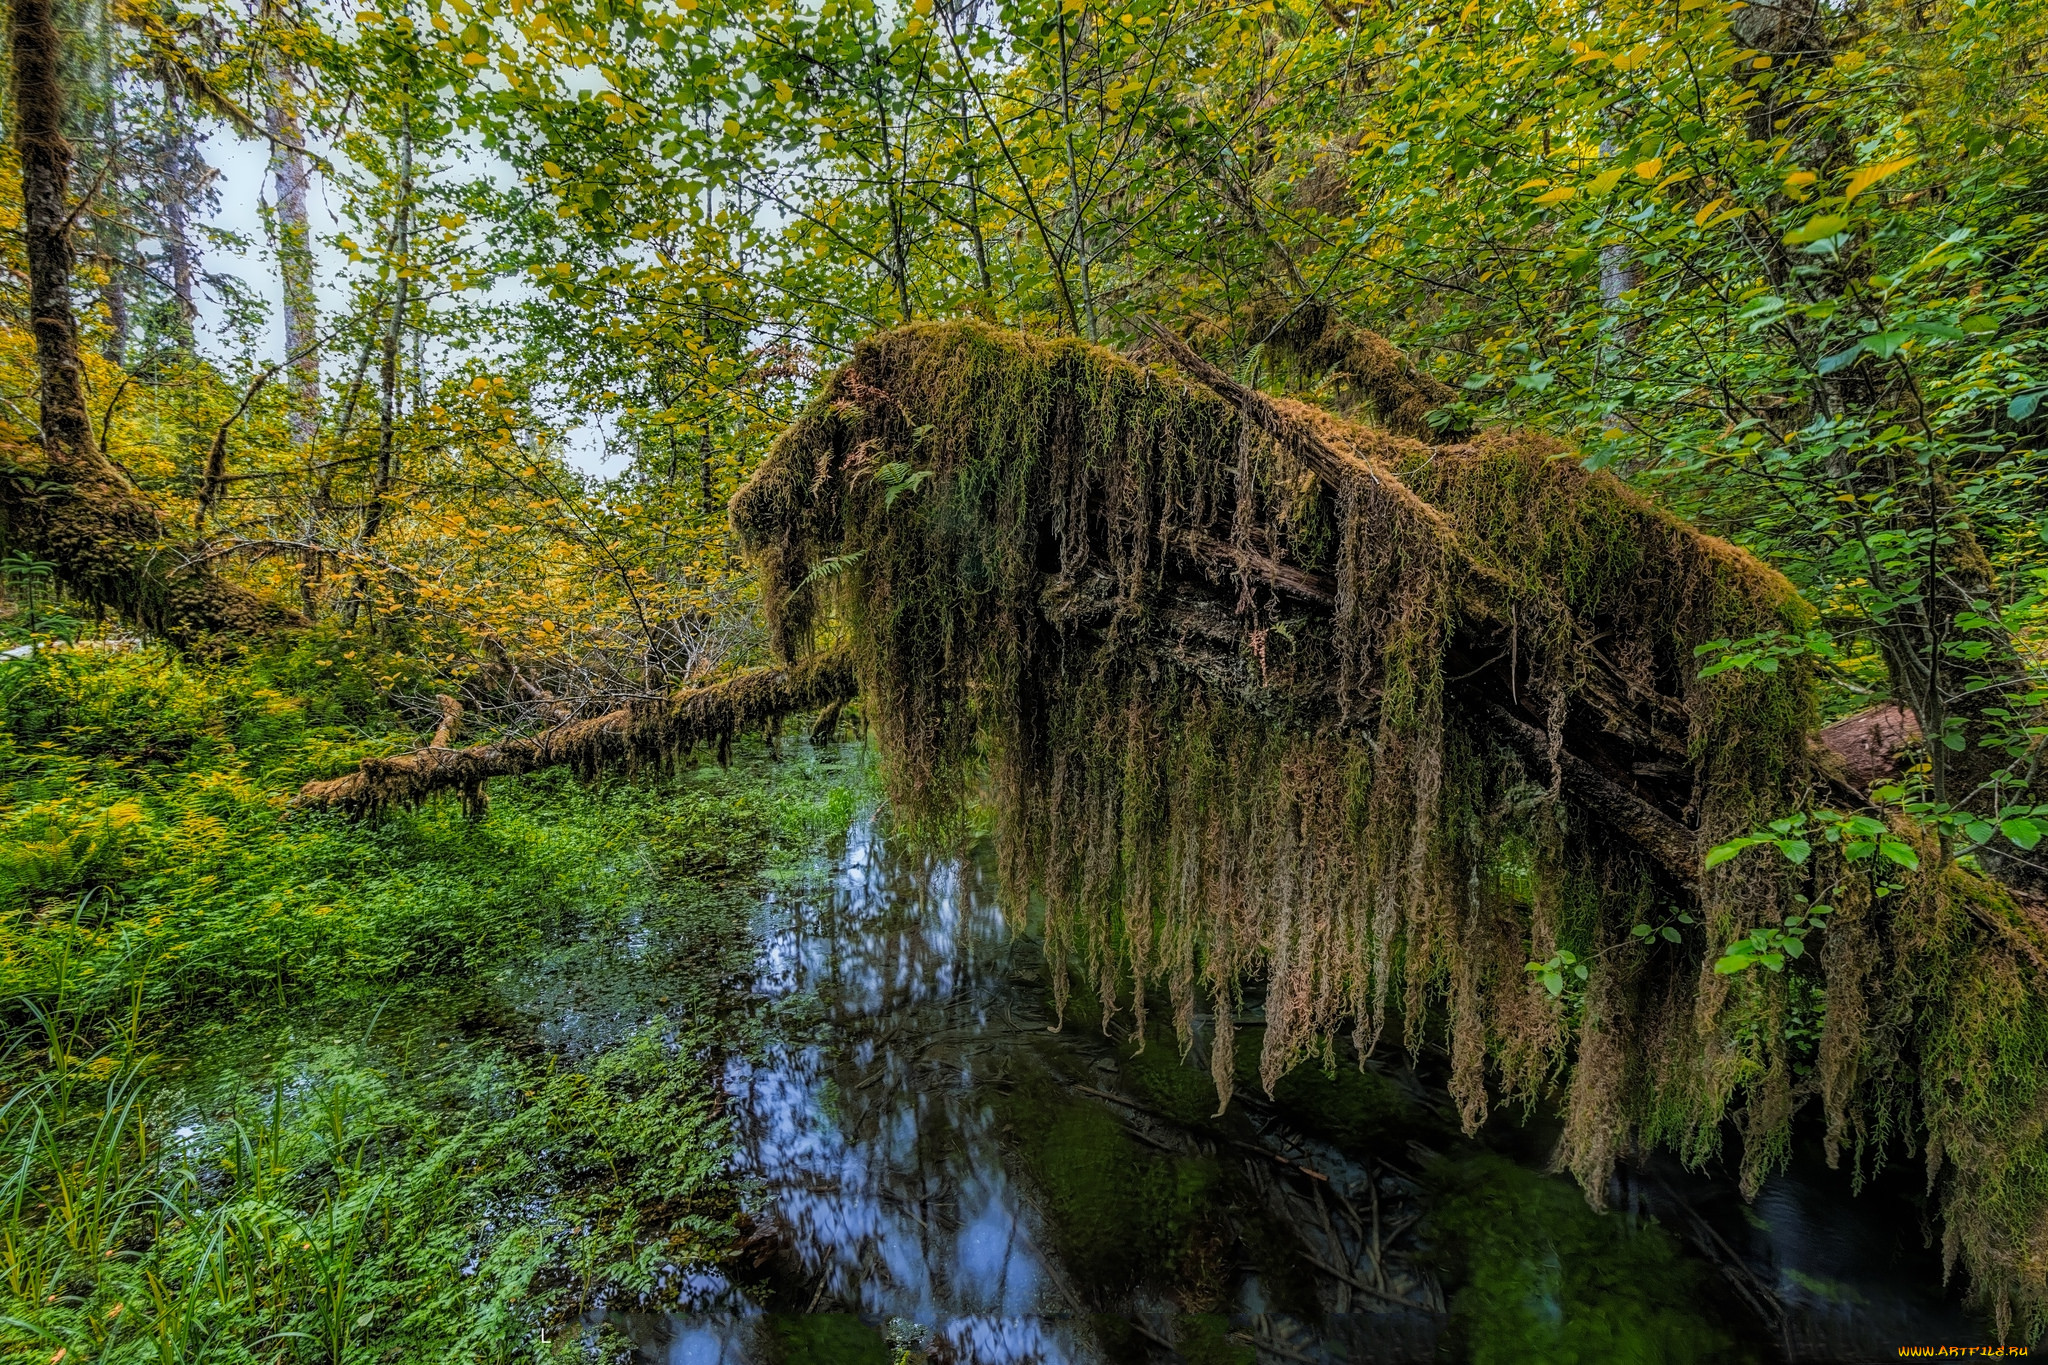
(1121, 1215)
(1356, 1109)
(825, 1339)
(1204, 1339)
(1540, 1279)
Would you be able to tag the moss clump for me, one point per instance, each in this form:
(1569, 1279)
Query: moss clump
(1543, 1280)
(1120, 1214)
(824, 1339)
(1259, 691)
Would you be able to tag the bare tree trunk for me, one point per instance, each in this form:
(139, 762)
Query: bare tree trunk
(294, 249)
(387, 374)
(176, 174)
(104, 537)
(115, 296)
(110, 241)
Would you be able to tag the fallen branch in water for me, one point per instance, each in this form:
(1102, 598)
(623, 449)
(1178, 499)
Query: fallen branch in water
(643, 732)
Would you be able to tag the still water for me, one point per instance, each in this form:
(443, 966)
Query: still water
(936, 1170)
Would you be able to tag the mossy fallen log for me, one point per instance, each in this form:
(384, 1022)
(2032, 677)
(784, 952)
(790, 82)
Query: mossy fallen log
(1256, 691)
(628, 737)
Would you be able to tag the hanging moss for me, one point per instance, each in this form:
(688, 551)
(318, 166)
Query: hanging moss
(1256, 690)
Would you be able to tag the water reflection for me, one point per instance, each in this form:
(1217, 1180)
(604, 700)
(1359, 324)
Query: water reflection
(876, 1148)
(934, 1169)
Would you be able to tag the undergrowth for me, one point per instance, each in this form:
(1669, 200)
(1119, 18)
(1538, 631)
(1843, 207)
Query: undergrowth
(266, 1098)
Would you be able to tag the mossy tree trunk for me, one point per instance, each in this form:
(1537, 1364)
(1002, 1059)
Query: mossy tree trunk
(1263, 693)
(78, 512)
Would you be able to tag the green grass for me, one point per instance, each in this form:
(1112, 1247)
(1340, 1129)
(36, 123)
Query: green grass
(268, 1098)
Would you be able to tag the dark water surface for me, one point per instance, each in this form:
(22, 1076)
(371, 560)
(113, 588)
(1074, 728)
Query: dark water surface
(937, 1171)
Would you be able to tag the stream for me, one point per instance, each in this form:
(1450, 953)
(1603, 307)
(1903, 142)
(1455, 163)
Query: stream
(934, 1169)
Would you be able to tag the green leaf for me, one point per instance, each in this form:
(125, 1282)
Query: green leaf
(1797, 850)
(1733, 963)
(1670, 934)
(1816, 229)
(1721, 853)
(1902, 854)
(2022, 407)
(2022, 831)
(1829, 364)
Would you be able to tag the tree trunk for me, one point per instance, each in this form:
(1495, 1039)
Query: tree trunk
(115, 296)
(177, 173)
(387, 374)
(79, 512)
(294, 251)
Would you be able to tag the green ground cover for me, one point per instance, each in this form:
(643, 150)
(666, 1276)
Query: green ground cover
(284, 1088)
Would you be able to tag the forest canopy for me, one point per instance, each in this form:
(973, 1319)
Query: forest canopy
(1579, 468)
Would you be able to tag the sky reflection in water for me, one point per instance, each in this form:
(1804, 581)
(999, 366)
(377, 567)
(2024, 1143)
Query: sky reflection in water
(878, 1160)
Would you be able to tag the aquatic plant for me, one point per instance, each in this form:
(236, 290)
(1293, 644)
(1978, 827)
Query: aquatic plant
(1261, 690)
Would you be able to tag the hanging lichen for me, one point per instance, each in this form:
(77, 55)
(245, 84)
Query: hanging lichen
(1260, 692)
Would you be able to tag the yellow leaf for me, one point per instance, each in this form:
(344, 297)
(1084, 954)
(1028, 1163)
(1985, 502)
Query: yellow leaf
(1633, 58)
(1867, 176)
(1648, 170)
(1700, 219)
(1799, 178)
(1604, 182)
(1556, 196)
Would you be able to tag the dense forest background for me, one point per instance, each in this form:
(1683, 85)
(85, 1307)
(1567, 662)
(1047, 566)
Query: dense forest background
(1775, 265)
(1781, 266)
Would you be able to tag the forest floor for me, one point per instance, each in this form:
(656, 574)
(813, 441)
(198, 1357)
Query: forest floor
(283, 1083)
